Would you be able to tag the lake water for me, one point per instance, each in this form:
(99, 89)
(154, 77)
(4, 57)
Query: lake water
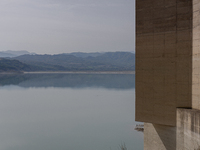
(68, 112)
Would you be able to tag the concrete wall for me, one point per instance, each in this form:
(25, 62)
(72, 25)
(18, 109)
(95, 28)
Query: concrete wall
(163, 59)
(159, 137)
(188, 129)
(168, 73)
(196, 56)
(186, 136)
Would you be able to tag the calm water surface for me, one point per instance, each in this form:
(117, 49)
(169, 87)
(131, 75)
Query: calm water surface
(68, 112)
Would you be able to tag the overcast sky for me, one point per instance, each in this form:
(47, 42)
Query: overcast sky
(62, 26)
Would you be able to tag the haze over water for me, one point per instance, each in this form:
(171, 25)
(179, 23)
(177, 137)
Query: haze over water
(68, 112)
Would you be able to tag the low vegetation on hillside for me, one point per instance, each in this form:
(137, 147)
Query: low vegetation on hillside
(110, 61)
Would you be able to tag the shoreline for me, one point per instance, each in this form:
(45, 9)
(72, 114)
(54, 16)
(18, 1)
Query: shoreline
(79, 72)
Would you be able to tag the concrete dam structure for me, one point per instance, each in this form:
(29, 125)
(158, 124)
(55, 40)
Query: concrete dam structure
(168, 73)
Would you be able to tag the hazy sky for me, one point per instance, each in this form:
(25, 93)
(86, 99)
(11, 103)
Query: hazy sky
(62, 26)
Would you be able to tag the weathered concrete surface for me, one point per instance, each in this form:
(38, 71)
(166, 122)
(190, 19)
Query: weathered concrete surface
(159, 137)
(188, 129)
(164, 59)
(196, 56)
(168, 73)
(186, 136)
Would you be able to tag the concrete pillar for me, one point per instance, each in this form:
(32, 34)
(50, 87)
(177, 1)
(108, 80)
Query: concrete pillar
(164, 48)
(196, 55)
(168, 73)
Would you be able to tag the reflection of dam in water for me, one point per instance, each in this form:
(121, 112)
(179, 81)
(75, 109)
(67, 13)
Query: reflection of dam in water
(168, 73)
(110, 81)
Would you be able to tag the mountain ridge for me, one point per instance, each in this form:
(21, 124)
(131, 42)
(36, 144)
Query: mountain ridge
(109, 61)
(11, 53)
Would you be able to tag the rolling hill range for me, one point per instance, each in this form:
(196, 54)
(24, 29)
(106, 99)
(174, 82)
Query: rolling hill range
(110, 61)
(7, 65)
(10, 53)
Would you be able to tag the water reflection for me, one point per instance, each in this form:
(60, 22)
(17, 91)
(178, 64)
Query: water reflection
(72, 118)
(110, 81)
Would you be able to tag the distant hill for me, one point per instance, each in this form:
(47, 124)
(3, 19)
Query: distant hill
(4, 55)
(116, 58)
(84, 55)
(110, 61)
(10, 53)
(7, 65)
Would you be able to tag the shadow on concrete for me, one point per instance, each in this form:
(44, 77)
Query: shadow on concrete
(167, 135)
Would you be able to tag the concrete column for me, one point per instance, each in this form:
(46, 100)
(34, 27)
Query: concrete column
(163, 59)
(196, 56)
